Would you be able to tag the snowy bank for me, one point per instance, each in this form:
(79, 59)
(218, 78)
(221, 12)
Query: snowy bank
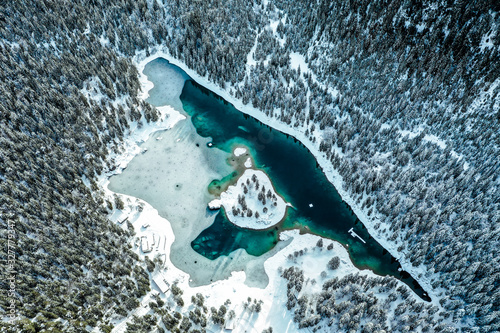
(333, 175)
(215, 204)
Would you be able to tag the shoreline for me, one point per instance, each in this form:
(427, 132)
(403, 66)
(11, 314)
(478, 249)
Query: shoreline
(233, 287)
(332, 175)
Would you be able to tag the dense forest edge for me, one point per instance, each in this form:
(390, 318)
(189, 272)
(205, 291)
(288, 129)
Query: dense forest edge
(401, 96)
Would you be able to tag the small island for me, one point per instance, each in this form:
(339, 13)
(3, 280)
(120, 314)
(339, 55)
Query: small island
(252, 202)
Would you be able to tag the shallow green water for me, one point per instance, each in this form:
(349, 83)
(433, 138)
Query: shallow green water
(294, 172)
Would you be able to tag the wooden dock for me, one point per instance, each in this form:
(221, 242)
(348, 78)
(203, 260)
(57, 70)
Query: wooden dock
(355, 235)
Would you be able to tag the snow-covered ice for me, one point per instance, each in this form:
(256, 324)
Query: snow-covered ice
(215, 204)
(239, 151)
(183, 157)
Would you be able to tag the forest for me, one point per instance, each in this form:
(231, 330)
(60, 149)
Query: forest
(405, 96)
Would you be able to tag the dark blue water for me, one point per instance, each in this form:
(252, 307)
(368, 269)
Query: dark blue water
(223, 237)
(295, 175)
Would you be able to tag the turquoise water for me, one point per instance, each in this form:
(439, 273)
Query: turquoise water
(223, 237)
(296, 176)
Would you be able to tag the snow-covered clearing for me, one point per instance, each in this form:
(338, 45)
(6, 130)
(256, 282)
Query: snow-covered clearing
(297, 61)
(434, 139)
(488, 39)
(250, 58)
(273, 25)
(429, 138)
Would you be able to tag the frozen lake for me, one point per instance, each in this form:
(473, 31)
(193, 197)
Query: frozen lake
(179, 174)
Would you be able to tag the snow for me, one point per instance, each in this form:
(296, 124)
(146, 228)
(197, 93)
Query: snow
(215, 204)
(161, 283)
(385, 126)
(484, 98)
(91, 89)
(248, 163)
(273, 25)
(274, 312)
(250, 57)
(459, 157)
(87, 30)
(266, 219)
(297, 60)
(333, 175)
(136, 134)
(411, 134)
(446, 32)
(149, 181)
(487, 40)
(104, 41)
(434, 139)
(239, 151)
(420, 27)
(236, 286)
(145, 84)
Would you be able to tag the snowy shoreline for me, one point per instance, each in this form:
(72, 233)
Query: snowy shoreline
(156, 231)
(148, 223)
(299, 133)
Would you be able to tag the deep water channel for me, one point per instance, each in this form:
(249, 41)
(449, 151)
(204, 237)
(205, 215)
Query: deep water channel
(317, 207)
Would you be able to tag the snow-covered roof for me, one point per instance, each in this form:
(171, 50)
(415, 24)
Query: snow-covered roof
(159, 280)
